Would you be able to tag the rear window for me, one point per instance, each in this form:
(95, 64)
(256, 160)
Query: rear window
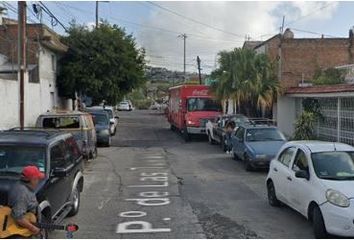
(110, 113)
(61, 122)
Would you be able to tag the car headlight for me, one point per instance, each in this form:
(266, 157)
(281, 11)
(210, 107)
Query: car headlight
(337, 198)
(190, 122)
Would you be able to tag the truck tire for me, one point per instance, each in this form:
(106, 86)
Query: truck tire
(186, 135)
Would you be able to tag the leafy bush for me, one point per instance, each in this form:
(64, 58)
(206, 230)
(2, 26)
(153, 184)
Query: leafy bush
(304, 126)
(142, 104)
(329, 76)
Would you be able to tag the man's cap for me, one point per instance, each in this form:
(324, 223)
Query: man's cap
(32, 172)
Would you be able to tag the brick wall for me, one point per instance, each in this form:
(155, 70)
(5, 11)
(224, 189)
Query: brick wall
(8, 42)
(302, 57)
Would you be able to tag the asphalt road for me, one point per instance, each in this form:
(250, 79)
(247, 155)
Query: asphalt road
(151, 184)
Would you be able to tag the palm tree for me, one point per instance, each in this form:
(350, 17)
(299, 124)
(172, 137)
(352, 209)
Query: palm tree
(248, 78)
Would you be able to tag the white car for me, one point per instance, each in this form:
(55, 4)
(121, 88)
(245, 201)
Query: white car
(124, 106)
(316, 179)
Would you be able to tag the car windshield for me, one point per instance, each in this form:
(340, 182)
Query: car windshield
(237, 120)
(334, 165)
(100, 119)
(202, 104)
(264, 134)
(110, 113)
(14, 158)
(61, 122)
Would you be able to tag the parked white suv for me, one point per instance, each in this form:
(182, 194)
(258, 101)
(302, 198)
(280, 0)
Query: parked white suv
(317, 180)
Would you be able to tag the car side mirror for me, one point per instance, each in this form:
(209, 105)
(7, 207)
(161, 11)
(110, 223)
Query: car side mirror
(59, 172)
(302, 174)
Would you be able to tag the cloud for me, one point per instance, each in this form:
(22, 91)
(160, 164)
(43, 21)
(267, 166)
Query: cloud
(241, 18)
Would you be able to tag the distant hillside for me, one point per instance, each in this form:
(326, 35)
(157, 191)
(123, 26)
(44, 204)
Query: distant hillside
(157, 74)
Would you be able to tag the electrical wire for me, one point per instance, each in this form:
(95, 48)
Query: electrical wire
(193, 20)
(309, 14)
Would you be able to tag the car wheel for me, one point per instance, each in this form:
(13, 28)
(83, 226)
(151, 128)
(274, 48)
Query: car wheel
(222, 144)
(247, 164)
(109, 142)
(115, 131)
(44, 233)
(235, 157)
(94, 153)
(75, 202)
(319, 227)
(272, 197)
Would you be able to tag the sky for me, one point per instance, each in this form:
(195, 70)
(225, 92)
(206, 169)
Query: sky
(210, 26)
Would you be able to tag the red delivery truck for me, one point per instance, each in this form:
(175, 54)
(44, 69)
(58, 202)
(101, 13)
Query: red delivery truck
(190, 107)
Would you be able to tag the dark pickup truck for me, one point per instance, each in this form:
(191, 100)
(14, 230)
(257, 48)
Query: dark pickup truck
(57, 155)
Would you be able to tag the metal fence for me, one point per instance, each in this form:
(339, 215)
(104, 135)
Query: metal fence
(338, 119)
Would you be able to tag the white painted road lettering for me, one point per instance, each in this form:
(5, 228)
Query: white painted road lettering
(150, 201)
(165, 184)
(144, 227)
(152, 174)
(155, 179)
(133, 214)
(136, 168)
(148, 198)
(153, 194)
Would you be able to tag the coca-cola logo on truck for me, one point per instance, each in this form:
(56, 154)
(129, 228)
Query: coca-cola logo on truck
(197, 92)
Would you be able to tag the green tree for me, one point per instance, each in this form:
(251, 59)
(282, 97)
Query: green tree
(102, 63)
(247, 78)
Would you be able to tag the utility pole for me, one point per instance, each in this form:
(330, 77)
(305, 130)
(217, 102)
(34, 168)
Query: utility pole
(279, 50)
(200, 76)
(22, 57)
(96, 14)
(184, 36)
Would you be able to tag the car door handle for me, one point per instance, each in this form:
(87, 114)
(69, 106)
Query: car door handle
(275, 169)
(289, 178)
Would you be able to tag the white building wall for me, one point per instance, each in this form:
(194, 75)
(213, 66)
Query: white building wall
(286, 115)
(39, 97)
(48, 89)
(9, 104)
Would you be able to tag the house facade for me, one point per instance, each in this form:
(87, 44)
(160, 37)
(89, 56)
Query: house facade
(41, 94)
(296, 61)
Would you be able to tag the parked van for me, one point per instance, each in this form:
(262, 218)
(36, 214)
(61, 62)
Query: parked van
(80, 124)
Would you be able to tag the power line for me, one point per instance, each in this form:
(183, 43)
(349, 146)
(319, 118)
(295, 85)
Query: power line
(52, 16)
(314, 33)
(200, 37)
(193, 20)
(309, 14)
